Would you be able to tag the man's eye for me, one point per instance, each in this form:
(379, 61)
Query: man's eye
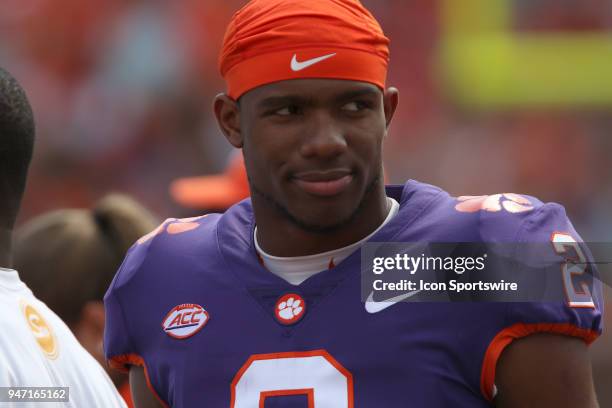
(288, 110)
(355, 106)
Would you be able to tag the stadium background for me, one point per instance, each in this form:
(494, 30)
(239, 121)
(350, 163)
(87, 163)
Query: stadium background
(496, 96)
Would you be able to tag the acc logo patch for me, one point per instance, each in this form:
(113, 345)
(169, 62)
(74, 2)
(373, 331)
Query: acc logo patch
(185, 320)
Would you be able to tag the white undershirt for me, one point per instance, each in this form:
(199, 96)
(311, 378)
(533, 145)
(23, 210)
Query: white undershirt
(297, 269)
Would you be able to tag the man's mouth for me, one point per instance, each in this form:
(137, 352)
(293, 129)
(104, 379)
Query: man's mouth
(324, 183)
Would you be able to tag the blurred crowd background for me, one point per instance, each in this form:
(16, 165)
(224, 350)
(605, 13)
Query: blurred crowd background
(122, 94)
(496, 96)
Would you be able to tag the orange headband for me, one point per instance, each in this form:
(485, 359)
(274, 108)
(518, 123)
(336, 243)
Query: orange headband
(275, 40)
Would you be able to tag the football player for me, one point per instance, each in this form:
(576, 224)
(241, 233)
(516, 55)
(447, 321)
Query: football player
(36, 347)
(261, 306)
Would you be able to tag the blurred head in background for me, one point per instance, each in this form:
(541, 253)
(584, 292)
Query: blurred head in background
(69, 257)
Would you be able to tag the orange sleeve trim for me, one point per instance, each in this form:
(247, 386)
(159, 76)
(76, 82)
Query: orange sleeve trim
(124, 361)
(515, 332)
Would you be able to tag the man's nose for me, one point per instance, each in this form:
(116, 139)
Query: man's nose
(324, 138)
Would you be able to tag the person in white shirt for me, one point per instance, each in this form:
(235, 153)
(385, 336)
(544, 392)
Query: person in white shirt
(36, 348)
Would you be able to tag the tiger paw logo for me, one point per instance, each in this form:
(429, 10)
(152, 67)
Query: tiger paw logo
(289, 309)
(42, 332)
(510, 202)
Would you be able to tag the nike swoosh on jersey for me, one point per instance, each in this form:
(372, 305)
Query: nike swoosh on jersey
(372, 306)
(299, 66)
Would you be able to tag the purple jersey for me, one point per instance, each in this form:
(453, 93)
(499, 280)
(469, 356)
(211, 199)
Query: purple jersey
(194, 305)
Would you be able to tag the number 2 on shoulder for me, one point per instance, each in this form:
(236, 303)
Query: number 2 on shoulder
(575, 265)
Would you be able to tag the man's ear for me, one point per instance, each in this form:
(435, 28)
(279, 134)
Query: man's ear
(228, 116)
(390, 100)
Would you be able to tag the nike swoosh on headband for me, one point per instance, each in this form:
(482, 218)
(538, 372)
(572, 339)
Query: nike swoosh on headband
(297, 66)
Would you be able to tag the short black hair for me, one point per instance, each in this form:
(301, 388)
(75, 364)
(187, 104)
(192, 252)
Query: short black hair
(16, 145)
